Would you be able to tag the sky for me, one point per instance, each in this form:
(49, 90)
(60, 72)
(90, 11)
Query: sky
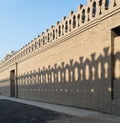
(23, 20)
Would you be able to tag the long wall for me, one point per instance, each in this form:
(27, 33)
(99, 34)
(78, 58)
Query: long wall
(74, 63)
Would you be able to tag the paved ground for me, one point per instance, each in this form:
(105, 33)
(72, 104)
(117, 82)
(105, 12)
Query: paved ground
(59, 108)
(14, 110)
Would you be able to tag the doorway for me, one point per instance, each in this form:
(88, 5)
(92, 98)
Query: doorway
(12, 83)
(115, 45)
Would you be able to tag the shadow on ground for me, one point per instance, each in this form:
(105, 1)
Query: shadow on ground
(14, 112)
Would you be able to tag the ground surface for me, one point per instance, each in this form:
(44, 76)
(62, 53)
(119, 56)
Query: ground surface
(14, 112)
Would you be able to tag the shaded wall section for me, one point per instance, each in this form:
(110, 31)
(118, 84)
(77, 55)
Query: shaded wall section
(83, 83)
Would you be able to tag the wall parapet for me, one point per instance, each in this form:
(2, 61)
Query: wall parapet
(75, 20)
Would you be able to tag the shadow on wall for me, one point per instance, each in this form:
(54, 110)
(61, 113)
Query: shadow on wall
(84, 77)
(74, 71)
(85, 83)
(84, 70)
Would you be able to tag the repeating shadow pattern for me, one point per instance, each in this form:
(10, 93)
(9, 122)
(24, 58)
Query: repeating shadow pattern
(84, 70)
(87, 80)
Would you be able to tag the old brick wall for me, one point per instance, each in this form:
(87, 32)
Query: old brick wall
(58, 59)
(76, 68)
(84, 91)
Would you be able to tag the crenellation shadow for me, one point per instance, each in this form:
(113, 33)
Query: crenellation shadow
(83, 72)
(87, 80)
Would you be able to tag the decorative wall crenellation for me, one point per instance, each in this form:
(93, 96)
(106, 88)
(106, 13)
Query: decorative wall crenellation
(82, 16)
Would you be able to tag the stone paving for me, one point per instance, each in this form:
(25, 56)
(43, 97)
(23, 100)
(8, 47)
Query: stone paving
(14, 110)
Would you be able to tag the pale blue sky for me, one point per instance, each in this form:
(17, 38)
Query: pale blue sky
(23, 20)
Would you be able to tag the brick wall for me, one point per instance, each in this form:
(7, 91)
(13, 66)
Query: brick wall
(75, 69)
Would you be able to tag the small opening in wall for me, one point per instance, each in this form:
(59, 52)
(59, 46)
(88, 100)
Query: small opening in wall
(78, 17)
(59, 31)
(115, 3)
(43, 40)
(94, 9)
(83, 16)
(106, 4)
(69, 25)
(116, 30)
(48, 38)
(88, 11)
(56, 33)
(62, 29)
(39, 42)
(74, 21)
(53, 34)
(66, 26)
